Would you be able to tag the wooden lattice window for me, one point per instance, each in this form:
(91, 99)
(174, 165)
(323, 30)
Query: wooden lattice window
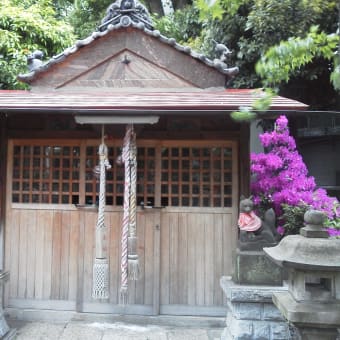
(169, 175)
(115, 176)
(146, 175)
(46, 174)
(196, 176)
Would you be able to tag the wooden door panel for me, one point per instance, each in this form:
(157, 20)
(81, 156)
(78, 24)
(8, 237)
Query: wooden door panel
(194, 257)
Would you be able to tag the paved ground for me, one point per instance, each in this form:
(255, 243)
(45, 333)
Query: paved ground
(83, 330)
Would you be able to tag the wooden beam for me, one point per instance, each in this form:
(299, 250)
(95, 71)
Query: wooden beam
(244, 159)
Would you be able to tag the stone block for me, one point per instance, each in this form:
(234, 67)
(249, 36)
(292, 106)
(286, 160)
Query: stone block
(279, 331)
(318, 333)
(236, 292)
(251, 313)
(311, 314)
(248, 311)
(241, 330)
(271, 313)
(254, 267)
(261, 331)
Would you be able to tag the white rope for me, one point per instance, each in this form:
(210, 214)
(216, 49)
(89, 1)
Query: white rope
(101, 266)
(129, 260)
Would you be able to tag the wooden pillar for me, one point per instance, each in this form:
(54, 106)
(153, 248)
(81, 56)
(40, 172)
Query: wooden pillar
(3, 164)
(245, 159)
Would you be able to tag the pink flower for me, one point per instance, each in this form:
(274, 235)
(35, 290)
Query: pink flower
(280, 177)
(281, 123)
(280, 230)
(333, 232)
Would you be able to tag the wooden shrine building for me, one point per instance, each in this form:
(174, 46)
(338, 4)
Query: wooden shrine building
(192, 165)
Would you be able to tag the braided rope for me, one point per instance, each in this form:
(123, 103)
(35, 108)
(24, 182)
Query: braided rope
(133, 261)
(133, 194)
(126, 216)
(100, 266)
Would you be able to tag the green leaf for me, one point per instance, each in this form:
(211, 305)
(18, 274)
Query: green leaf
(243, 115)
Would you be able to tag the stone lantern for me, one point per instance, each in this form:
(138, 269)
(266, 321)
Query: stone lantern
(312, 260)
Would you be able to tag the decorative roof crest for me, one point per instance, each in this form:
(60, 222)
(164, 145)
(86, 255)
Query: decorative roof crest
(126, 12)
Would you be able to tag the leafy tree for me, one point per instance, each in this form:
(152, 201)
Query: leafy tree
(282, 60)
(251, 27)
(86, 16)
(309, 61)
(182, 25)
(26, 26)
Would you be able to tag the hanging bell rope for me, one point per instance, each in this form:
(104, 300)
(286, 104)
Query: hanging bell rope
(129, 259)
(101, 265)
(133, 262)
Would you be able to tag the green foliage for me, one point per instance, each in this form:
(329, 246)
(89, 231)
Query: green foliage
(207, 9)
(244, 114)
(335, 75)
(332, 223)
(23, 29)
(216, 8)
(281, 61)
(182, 25)
(293, 217)
(272, 21)
(261, 104)
(86, 16)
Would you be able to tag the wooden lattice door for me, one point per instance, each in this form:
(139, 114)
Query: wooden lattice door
(187, 197)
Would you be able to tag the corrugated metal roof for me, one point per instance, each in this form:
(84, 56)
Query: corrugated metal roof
(106, 102)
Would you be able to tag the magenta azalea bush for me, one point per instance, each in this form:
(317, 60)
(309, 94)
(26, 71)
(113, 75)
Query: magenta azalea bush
(280, 181)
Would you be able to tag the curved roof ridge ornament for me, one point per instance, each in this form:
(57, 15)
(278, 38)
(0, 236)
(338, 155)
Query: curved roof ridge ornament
(126, 12)
(221, 62)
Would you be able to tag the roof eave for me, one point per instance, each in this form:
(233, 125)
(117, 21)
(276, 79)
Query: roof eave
(147, 111)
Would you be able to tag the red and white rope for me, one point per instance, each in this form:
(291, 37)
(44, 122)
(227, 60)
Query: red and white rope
(126, 212)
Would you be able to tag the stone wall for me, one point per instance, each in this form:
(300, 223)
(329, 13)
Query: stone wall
(251, 314)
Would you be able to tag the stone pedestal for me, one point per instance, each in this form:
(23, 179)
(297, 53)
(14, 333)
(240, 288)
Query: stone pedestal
(251, 312)
(5, 332)
(255, 268)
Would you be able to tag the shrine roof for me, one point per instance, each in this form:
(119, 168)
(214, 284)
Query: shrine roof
(138, 102)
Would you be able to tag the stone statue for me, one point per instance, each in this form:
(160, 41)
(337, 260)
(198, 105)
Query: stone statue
(223, 50)
(34, 60)
(254, 232)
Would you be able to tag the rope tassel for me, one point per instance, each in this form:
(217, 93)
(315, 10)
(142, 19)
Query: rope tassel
(133, 261)
(100, 279)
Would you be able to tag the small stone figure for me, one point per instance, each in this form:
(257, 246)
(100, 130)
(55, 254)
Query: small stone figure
(223, 50)
(254, 232)
(248, 220)
(34, 60)
(221, 62)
